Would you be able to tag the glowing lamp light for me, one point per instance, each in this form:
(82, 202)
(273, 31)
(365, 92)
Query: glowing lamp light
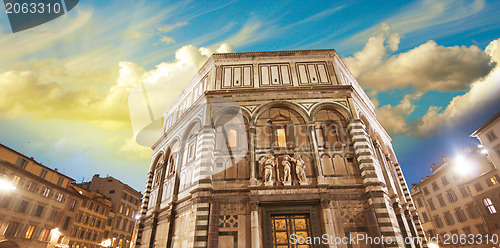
(462, 166)
(137, 216)
(55, 231)
(106, 243)
(6, 185)
(432, 245)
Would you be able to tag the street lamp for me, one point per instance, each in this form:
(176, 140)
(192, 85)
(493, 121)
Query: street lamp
(462, 166)
(106, 243)
(6, 185)
(433, 245)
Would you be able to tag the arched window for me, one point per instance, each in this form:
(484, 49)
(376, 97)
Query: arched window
(331, 133)
(489, 205)
(333, 129)
(171, 163)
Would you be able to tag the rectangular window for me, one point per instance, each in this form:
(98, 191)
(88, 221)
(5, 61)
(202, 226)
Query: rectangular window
(22, 206)
(438, 221)
(46, 192)
(53, 215)
(492, 180)
(43, 173)
(478, 187)
(464, 190)
(72, 205)
(12, 229)
(431, 204)
(232, 138)
(435, 186)
(452, 197)
(449, 219)
(491, 136)
(481, 229)
(31, 186)
(60, 181)
(16, 180)
(280, 132)
(489, 205)
(459, 213)
(425, 217)
(39, 211)
(441, 200)
(60, 197)
(419, 202)
(21, 163)
(45, 235)
(426, 191)
(66, 223)
(444, 180)
(472, 211)
(29, 232)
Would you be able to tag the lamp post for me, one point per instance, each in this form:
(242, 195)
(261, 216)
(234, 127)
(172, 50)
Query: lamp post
(137, 217)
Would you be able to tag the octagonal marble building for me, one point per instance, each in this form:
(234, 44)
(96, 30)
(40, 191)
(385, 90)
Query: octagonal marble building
(275, 149)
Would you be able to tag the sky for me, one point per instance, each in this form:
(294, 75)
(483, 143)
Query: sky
(432, 68)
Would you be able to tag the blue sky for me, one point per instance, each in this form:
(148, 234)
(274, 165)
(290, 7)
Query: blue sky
(429, 66)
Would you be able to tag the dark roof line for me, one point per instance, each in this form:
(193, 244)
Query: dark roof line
(38, 163)
(487, 123)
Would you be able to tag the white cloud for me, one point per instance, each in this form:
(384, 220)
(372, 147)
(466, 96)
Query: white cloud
(426, 67)
(481, 93)
(168, 28)
(394, 118)
(163, 84)
(167, 40)
(432, 17)
(130, 150)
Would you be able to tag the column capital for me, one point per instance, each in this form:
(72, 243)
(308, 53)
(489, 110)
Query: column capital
(325, 203)
(254, 205)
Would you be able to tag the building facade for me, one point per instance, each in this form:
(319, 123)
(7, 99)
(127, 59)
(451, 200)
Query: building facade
(37, 208)
(93, 220)
(41, 207)
(460, 199)
(488, 136)
(275, 149)
(126, 203)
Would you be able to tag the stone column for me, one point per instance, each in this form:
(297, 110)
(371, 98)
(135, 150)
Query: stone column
(328, 220)
(314, 146)
(213, 225)
(251, 147)
(254, 224)
(338, 227)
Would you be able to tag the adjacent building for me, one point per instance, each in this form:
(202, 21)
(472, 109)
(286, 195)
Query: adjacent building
(457, 198)
(41, 207)
(488, 136)
(271, 149)
(37, 204)
(126, 202)
(93, 220)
